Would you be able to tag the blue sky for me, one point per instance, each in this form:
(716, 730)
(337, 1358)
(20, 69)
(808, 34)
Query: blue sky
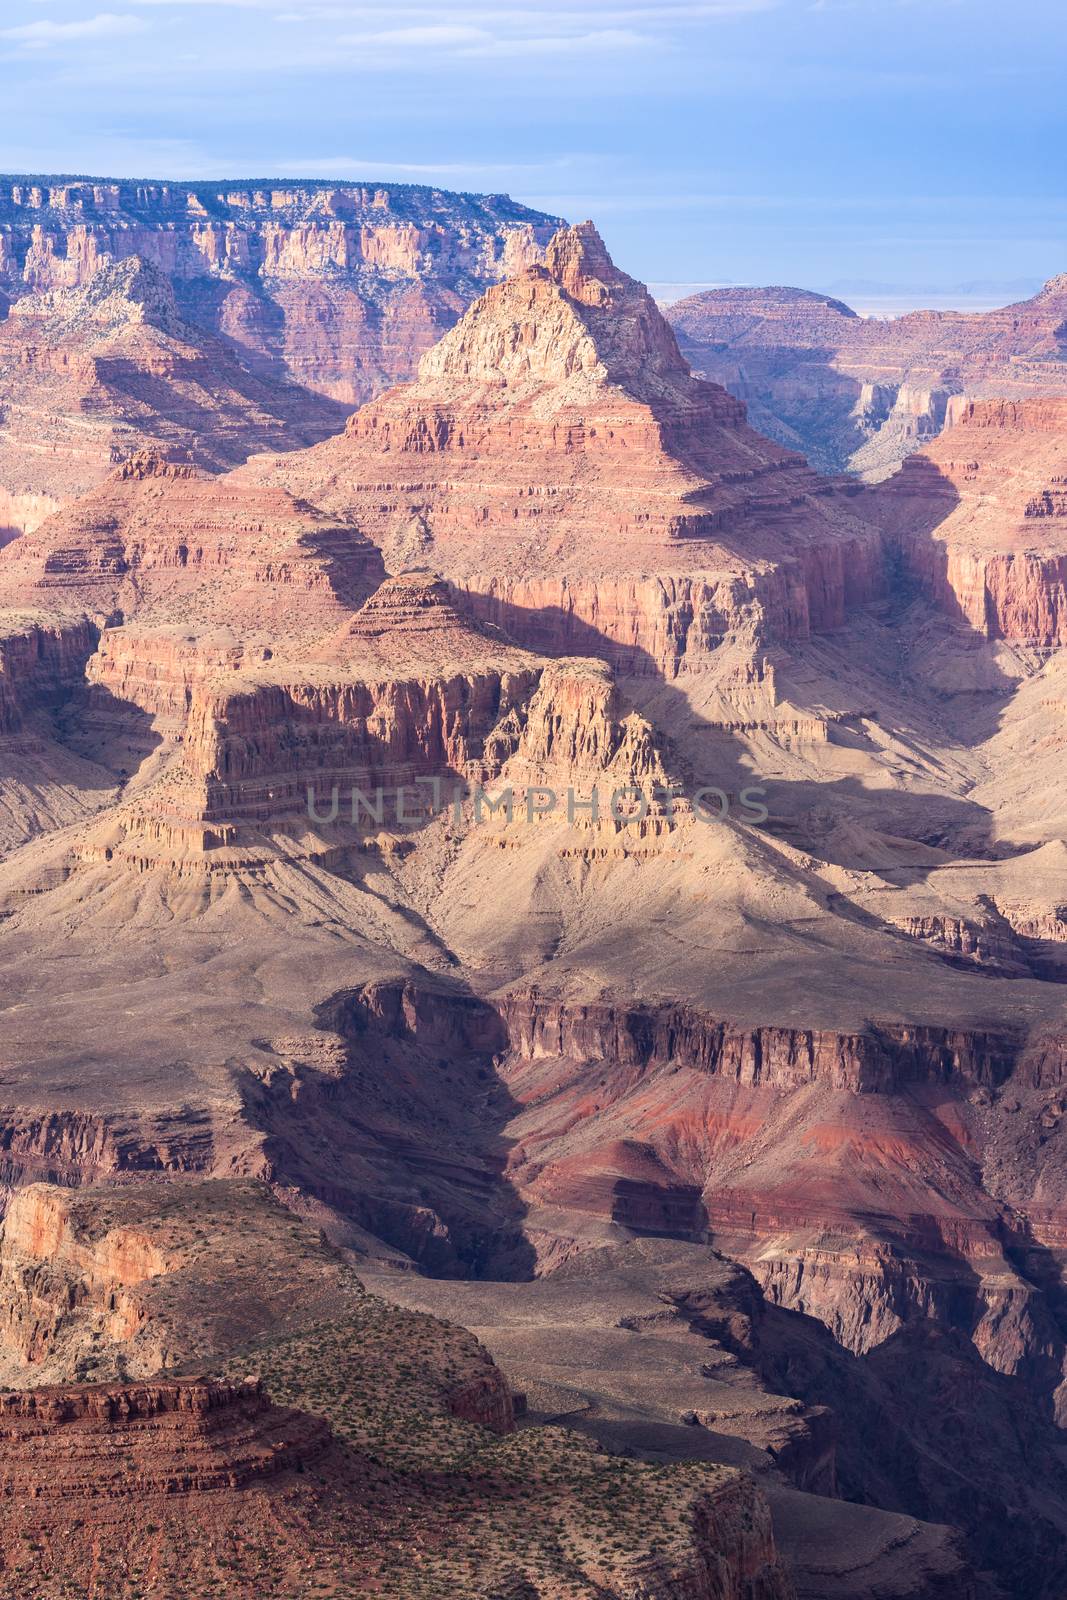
(895, 145)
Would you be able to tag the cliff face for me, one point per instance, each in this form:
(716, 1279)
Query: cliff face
(162, 542)
(828, 1037)
(68, 1443)
(863, 393)
(41, 660)
(556, 451)
(92, 373)
(339, 286)
(978, 519)
(370, 1441)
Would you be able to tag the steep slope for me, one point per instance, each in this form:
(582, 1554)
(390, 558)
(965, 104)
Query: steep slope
(92, 373)
(863, 392)
(339, 286)
(557, 461)
(485, 1040)
(121, 603)
(980, 519)
(670, 1352)
(401, 1474)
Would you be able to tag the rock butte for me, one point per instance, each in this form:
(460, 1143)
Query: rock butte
(557, 462)
(221, 320)
(832, 1046)
(866, 391)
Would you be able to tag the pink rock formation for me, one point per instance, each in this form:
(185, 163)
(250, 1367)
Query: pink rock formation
(558, 463)
(865, 392)
(90, 374)
(980, 519)
(340, 286)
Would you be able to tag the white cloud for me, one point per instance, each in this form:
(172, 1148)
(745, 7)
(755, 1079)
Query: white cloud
(455, 39)
(580, 15)
(40, 35)
(599, 39)
(434, 36)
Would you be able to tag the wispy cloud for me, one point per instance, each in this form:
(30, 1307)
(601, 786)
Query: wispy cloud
(428, 36)
(598, 40)
(47, 32)
(581, 14)
(467, 41)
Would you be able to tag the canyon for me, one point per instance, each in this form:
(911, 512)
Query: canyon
(220, 320)
(862, 393)
(340, 285)
(561, 412)
(737, 1144)
(389, 1459)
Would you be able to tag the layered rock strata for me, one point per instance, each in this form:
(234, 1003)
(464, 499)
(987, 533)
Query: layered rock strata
(978, 518)
(635, 512)
(864, 392)
(831, 1041)
(63, 1444)
(90, 374)
(340, 286)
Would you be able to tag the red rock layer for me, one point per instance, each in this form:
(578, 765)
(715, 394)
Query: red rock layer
(557, 461)
(41, 660)
(90, 374)
(183, 1435)
(162, 540)
(867, 391)
(980, 519)
(341, 286)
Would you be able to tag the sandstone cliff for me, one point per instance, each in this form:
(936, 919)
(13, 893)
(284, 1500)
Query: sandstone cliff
(557, 461)
(90, 374)
(340, 286)
(977, 519)
(864, 392)
(392, 1462)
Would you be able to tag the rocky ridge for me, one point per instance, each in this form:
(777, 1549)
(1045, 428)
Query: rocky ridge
(639, 514)
(831, 1042)
(977, 518)
(95, 371)
(339, 286)
(864, 392)
(398, 1469)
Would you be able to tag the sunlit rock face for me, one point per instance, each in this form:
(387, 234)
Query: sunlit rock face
(980, 519)
(557, 461)
(340, 287)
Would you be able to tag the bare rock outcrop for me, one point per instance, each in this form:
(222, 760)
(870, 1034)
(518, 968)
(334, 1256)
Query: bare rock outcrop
(557, 462)
(339, 286)
(184, 1435)
(978, 519)
(865, 392)
(102, 364)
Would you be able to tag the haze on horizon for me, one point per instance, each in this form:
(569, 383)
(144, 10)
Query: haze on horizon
(894, 151)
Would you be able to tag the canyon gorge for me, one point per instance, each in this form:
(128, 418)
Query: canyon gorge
(739, 1147)
(863, 392)
(219, 320)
